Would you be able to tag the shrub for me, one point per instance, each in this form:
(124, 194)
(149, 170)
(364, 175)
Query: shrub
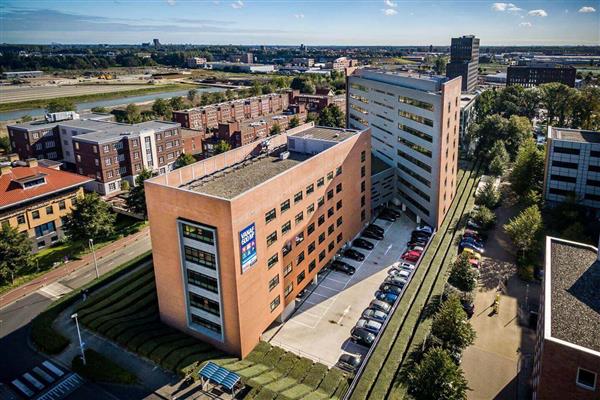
(484, 217)
(489, 196)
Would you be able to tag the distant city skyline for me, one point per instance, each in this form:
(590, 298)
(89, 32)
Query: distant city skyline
(312, 22)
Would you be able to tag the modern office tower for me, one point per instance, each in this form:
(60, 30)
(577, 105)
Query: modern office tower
(566, 361)
(235, 237)
(572, 166)
(414, 121)
(464, 61)
(534, 75)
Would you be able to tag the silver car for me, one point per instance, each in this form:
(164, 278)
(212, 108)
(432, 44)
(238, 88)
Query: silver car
(370, 325)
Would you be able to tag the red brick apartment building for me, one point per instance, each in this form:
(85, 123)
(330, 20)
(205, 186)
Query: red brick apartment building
(567, 351)
(106, 151)
(246, 230)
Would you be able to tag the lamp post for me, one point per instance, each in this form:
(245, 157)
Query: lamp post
(94, 255)
(74, 316)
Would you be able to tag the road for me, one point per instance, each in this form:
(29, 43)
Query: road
(15, 317)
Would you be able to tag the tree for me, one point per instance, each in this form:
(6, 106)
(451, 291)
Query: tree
(15, 253)
(5, 144)
(176, 103)
(303, 84)
(484, 217)
(558, 100)
(221, 147)
(184, 159)
(332, 116)
(518, 130)
(91, 218)
(451, 327)
(136, 201)
(163, 108)
(437, 377)
(528, 171)
(230, 94)
(484, 104)
(499, 159)
(488, 196)
(462, 275)
(524, 230)
(586, 109)
(58, 105)
(294, 122)
(275, 129)
(439, 65)
(132, 114)
(99, 109)
(490, 130)
(124, 185)
(191, 95)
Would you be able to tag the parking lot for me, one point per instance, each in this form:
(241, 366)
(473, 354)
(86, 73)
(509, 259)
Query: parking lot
(320, 327)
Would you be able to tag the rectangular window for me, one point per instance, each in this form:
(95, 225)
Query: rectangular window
(562, 192)
(35, 214)
(273, 282)
(321, 220)
(206, 323)
(413, 146)
(330, 194)
(272, 260)
(330, 212)
(288, 289)
(310, 188)
(310, 229)
(322, 256)
(564, 164)
(310, 209)
(285, 206)
(204, 281)
(20, 219)
(320, 201)
(297, 197)
(416, 103)
(300, 277)
(330, 229)
(45, 229)
(560, 178)
(363, 156)
(331, 246)
(300, 258)
(311, 247)
(287, 269)
(200, 257)
(286, 248)
(566, 150)
(338, 187)
(321, 238)
(586, 379)
(330, 175)
(299, 217)
(339, 221)
(300, 238)
(285, 228)
(49, 210)
(208, 305)
(272, 238)
(320, 182)
(416, 118)
(199, 234)
(339, 238)
(338, 171)
(311, 266)
(413, 160)
(270, 215)
(416, 132)
(338, 205)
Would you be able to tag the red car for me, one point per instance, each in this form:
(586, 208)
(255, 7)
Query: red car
(412, 256)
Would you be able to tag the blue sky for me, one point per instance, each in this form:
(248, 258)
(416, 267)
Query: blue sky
(290, 22)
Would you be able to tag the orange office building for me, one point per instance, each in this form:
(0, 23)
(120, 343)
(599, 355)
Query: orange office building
(235, 237)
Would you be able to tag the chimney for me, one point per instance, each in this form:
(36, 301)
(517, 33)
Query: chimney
(13, 157)
(31, 162)
(5, 169)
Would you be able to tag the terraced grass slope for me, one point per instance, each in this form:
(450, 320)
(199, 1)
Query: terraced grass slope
(379, 379)
(127, 313)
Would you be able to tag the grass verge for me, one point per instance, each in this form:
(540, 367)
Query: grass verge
(100, 369)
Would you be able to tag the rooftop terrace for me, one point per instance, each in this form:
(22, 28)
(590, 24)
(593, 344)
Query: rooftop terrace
(574, 288)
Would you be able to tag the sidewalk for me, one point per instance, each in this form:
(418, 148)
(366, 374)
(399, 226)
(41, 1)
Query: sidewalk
(70, 267)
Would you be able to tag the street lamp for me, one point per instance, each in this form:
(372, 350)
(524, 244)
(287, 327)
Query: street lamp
(74, 316)
(94, 254)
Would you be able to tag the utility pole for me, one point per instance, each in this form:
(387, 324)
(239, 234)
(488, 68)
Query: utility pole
(74, 316)
(94, 255)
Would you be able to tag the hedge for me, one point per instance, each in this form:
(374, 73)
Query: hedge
(101, 369)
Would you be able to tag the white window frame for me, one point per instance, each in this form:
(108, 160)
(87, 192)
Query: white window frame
(584, 386)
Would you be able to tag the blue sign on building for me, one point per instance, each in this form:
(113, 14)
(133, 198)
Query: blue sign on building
(248, 247)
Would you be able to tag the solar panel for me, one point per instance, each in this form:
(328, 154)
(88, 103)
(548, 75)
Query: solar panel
(219, 375)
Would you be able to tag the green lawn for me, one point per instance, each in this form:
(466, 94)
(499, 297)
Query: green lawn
(127, 313)
(378, 379)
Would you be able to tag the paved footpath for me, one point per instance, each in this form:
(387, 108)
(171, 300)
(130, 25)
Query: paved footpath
(117, 248)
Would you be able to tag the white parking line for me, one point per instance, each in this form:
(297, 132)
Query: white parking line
(336, 281)
(328, 288)
(302, 323)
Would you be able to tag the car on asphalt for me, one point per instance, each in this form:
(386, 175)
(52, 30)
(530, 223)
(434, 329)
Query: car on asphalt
(472, 240)
(369, 234)
(389, 288)
(467, 245)
(349, 362)
(400, 273)
(472, 233)
(341, 266)
(387, 297)
(380, 306)
(396, 281)
(414, 235)
(386, 217)
(412, 257)
(362, 336)
(374, 314)
(416, 248)
(363, 244)
(417, 242)
(424, 228)
(472, 254)
(354, 255)
(403, 265)
(473, 225)
(377, 228)
(370, 325)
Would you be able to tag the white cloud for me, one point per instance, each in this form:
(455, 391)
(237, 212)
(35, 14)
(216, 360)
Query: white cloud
(538, 13)
(390, 3)
(587, 9)
(505, 7)
(389, 11)
(237, 4)
(171, 2)
(299, 16)
(525, 25)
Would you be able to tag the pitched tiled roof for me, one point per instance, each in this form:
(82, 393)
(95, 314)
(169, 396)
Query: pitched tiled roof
(12, 193)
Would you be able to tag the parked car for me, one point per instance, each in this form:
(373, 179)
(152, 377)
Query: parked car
(473, 241)
(363, 244)
(377, 228)
(403, 265)
(472, 254)
(410, 256)
(370, 325)
(387, 297)
(396, 281)
(416, 248)
(374, 314)
(473, 234)
(341, 266)
(387, 288)
(380, 306)
(417, 242)
(467, 245)
(400, 273)
(362, 336)
(424, 228)
(372, 235)
(392, 212)
(473, 225)
(354, 255)
(468, 307)
(419, 236)
(349, 362)
(386, 217)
